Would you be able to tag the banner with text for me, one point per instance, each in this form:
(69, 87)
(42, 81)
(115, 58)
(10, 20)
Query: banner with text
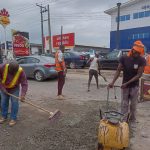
(68, 40)
(20, 42)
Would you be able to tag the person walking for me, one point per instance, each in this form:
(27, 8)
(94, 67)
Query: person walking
(132, 67)
(61, 69)
(94, 70)
(11, 77)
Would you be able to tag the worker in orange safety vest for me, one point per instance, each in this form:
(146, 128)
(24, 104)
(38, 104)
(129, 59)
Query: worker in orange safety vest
(61, 69)
(147, 67)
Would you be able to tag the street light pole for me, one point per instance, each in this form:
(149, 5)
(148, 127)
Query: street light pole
(118, 24)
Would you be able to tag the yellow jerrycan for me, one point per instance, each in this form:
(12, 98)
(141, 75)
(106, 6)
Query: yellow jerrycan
(113, 131)
(113, 135)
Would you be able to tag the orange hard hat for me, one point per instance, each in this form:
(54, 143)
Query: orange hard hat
(137, 46)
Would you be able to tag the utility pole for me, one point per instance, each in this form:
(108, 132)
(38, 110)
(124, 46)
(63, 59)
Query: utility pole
(118, 23)
(49, 30)
(42, 10)
(61, 35)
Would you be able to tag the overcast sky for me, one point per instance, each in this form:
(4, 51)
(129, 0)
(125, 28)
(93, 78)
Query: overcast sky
(86, 18)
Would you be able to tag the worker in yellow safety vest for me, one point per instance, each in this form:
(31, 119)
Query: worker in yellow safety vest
(11, 77)
(61, 69)
(147, 67)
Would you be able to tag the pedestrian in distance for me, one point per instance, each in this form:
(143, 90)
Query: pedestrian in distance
(132, 66)
(94, 70)
(61, 69)
(11, 77)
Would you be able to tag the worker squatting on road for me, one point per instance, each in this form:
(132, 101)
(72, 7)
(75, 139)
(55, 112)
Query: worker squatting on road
(94, 70)
(132, 67)
(11, 76)
(61, 69)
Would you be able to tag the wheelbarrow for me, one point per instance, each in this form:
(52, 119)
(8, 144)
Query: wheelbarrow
(113, 131)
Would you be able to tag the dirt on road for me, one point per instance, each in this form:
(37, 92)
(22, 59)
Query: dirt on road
(76, 128)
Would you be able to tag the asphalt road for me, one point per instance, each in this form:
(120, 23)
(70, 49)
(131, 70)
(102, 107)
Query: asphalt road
(76, 128)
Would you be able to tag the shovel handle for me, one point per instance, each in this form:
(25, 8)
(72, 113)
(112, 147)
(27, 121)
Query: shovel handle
(38, 107)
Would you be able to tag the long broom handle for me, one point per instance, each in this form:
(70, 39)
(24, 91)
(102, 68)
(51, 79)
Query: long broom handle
(36, 106)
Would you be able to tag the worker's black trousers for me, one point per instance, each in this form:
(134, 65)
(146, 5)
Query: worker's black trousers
(61, 82)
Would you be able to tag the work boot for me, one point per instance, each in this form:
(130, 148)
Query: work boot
(2, 120)
(12, 123)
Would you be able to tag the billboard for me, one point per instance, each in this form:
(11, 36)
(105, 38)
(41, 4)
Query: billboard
(68, 40)
(20, 43)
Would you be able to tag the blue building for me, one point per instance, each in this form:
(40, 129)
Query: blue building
(134, 24)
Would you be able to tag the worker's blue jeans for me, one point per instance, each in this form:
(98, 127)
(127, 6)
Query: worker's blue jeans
(14, 104)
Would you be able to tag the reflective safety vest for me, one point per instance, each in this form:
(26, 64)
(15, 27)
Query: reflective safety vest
(147, 67)
(58, 63)
(13, 83)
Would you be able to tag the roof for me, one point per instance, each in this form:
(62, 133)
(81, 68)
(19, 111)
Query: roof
(126, 4)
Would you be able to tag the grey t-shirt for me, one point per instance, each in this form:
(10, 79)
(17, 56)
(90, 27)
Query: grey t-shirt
(130, 68)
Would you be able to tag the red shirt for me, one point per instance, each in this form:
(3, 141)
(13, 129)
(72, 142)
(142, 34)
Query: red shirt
(21, 81)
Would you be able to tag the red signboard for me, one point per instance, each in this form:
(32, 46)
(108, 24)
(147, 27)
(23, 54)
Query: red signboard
(67, 40)
(20, 43)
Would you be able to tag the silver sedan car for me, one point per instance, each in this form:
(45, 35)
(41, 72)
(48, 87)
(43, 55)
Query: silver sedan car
(38, 67)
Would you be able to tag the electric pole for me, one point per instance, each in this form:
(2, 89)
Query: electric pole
(49, 30)
(61, 35)
(42, 10)
(118, 23)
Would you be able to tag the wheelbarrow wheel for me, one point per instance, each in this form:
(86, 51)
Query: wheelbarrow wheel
(100, 147)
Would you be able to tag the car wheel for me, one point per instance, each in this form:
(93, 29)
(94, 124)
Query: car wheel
(39, 76)
(72, 65)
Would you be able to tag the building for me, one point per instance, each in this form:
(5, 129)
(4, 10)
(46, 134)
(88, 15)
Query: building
(134, 24)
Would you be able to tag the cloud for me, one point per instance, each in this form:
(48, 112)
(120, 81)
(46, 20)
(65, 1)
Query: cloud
(84, 17)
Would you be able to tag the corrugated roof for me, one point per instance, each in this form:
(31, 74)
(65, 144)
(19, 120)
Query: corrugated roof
(128, 3)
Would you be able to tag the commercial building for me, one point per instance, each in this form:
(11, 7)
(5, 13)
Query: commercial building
(134, 24)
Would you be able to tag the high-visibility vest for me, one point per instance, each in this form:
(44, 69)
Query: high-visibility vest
(13, 83)
(58, 63)
(147, 67)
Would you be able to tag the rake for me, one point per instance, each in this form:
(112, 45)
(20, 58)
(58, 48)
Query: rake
(52, 115)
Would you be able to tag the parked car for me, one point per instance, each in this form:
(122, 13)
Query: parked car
(48, 54)
(38, 67)
(75, 59)
(111, 60)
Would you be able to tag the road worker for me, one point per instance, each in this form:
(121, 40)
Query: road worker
(94, 70)
(132, 67)
(11, 77)
(61, 69)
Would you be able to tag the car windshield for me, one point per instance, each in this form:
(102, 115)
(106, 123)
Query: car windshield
(113, 54)
(91, 51)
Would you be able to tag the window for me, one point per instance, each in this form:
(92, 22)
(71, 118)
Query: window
(146, 35)
(123, 18)
(141, 35)
(135, 15)
(32, 60)
(141, 14)
(135, 36)
(127, 17)
(113, 55)
(22, 61)
(66, 55)
(147, 13)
